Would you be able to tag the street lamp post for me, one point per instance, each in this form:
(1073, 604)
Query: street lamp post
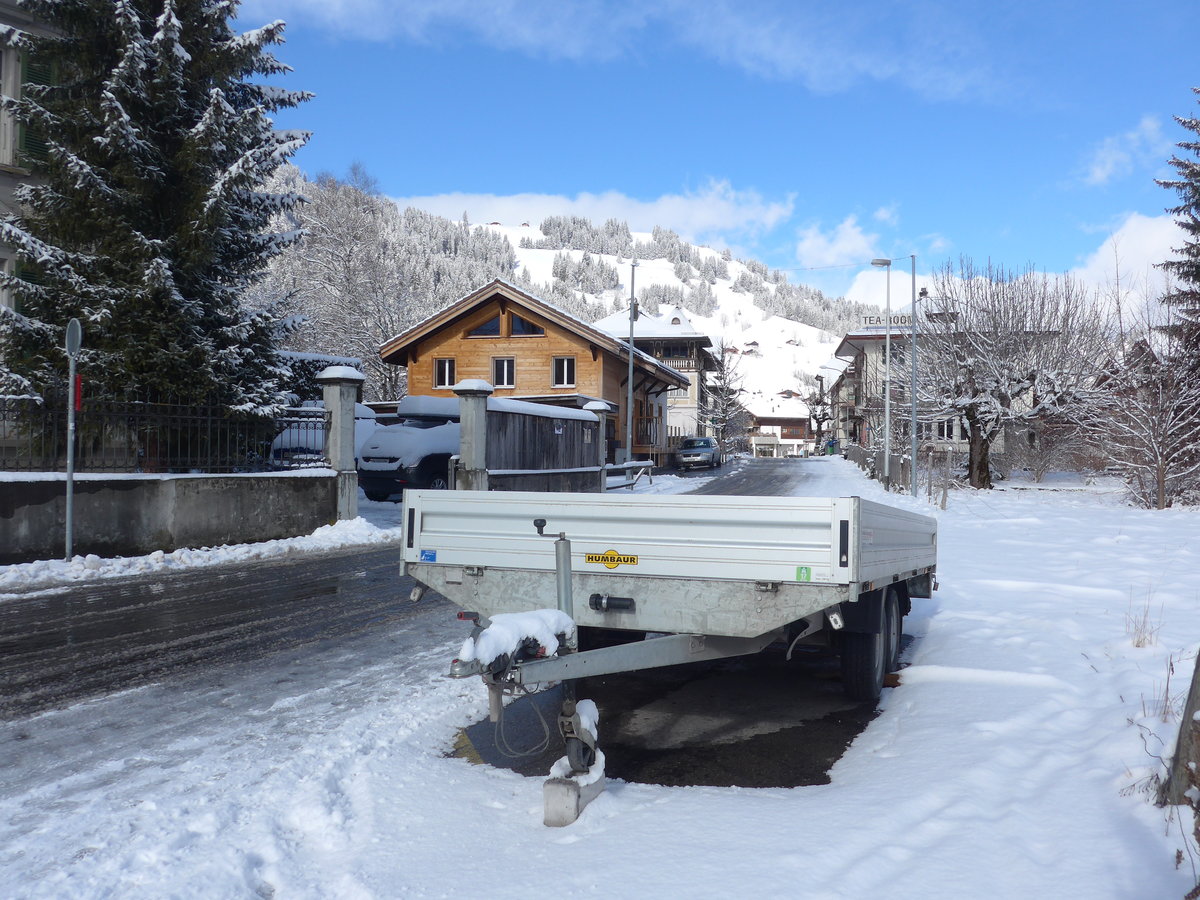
(633, 314)
(887, 377)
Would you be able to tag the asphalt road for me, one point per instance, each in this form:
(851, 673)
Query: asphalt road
(67, 644)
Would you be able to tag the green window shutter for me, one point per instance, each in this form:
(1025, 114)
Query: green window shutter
(31, 144)
(29, 273)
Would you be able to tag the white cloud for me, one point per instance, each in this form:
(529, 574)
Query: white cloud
(1119, 155)
(717, 214)
(1129, 255)
(845, 245)
(936, 53)
(887, 215)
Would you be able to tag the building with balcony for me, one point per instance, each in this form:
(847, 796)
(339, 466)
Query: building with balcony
(530, 350)
(671, 338)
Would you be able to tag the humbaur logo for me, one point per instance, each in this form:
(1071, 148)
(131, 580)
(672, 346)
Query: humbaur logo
(610, 559)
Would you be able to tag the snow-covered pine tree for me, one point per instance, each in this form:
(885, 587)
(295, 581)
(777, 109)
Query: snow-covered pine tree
(721, 408)
(1184, 299)
(147, 220)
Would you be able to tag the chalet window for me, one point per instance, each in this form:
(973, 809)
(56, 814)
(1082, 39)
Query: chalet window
(945, 430)
(925, 431)
(564, 371)
(490, 328)
(504, 372)
(31, 144)
(523, 327)
(443, 373)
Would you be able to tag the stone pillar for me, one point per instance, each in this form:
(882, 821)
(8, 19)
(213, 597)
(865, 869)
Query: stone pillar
(473, 394)
(341, 386)
(601, 410)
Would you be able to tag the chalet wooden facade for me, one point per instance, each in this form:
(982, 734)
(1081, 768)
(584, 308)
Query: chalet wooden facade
(529, 350)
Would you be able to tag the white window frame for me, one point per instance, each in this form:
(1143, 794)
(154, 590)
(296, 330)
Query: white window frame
(567, 368)
(10, 86)
(945, 429)
(441, 368)
(510, 366)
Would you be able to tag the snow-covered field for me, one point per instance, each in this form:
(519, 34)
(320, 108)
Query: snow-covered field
(1014, 760)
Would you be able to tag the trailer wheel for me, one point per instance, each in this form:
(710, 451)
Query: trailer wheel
(867, 658)
(862, 665)
(893, 624)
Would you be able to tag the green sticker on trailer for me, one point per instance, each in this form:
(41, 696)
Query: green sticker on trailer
(803, 573)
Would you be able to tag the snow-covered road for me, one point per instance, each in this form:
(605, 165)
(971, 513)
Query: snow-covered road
(1014, 761)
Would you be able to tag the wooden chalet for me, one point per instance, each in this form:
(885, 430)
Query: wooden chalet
(529, 350)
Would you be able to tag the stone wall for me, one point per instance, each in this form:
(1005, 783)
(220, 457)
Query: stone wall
(135, 515)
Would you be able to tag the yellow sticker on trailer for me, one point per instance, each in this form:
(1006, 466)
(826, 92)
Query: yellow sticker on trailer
(610, 559)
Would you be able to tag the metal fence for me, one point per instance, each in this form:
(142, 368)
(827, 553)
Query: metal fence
(118, 436)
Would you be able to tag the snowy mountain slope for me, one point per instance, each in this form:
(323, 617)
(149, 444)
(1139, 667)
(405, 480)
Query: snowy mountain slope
(775, 355)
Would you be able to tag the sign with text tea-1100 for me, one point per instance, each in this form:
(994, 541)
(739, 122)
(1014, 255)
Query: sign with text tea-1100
(896, 320)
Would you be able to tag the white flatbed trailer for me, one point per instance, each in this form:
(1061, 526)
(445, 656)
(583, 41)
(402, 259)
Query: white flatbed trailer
(758, 569)
(681, 578)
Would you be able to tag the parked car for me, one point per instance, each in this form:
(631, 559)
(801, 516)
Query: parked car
(698, 451)
(302, 440)
(415, 452)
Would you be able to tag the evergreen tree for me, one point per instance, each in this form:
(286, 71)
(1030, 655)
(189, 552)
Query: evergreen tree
(1184, 300)
(721, 408)
(147, 220)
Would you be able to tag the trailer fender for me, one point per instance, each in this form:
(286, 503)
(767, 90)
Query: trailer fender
(865, 616)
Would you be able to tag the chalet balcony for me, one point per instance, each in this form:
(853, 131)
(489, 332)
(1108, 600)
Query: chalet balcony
(681, 363)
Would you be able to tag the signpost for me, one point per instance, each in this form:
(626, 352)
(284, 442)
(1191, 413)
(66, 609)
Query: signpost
(74, 341)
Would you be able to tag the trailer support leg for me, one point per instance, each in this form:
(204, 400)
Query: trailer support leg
(565, 799)
(578, 778)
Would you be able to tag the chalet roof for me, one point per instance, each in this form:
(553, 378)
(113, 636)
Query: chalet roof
(395, 350)
(671, 322)
(854, 342)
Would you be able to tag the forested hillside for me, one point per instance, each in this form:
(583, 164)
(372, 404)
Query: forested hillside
(367, 270)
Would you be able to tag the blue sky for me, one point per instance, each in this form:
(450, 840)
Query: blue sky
(810, 135)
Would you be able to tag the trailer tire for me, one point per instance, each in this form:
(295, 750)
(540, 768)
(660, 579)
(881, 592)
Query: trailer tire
(893, 623)
(862, 665)
(868, 657)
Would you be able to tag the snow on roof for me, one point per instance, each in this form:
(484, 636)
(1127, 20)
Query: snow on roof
(671, 321)
(774, 406)
(545, 411)
(421, 405)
